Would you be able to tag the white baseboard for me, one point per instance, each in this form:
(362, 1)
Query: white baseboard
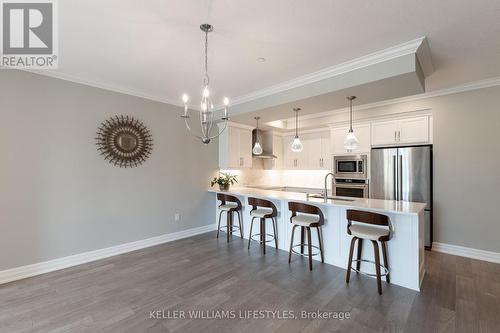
(466, 252)
(23, 272)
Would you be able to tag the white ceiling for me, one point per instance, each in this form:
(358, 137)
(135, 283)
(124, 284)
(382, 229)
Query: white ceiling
(155, 49)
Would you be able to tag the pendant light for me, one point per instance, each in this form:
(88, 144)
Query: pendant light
(257, 148)
(207, 111)
(296, 144)
(351, 142)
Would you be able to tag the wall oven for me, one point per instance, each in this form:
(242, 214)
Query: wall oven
(356, 188)
(350, 166)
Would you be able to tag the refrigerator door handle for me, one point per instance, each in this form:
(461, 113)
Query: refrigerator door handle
(395, 176)
(400, 177)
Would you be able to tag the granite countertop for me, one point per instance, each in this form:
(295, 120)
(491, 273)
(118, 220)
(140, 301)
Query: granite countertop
(387, 206)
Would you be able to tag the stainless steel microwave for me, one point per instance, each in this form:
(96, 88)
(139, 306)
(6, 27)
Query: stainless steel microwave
(350, 166)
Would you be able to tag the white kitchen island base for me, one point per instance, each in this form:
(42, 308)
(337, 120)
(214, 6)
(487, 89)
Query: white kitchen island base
(405, 249)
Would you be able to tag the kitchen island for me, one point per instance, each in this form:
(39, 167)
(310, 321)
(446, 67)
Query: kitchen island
(405, 249)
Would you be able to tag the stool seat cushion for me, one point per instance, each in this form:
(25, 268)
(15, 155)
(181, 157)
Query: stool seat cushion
(305, 220)
(228, 206)
(368, 232)
(261, 212)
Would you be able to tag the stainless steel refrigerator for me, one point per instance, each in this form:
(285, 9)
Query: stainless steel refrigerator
(404, 173)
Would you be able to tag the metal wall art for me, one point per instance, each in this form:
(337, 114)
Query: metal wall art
(124, 141)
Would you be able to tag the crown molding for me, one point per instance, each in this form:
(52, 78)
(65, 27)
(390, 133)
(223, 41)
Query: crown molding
(348, 66)
(487, 83)
(105, 86)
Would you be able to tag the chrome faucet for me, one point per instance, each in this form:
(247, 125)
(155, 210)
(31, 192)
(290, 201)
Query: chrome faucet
(325, 193)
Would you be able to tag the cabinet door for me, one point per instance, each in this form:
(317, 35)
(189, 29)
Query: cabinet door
(326, 151)
(384, 132)
(414, 130)
(233, 147)
(312, 153)
(289, 161)
(245, 148)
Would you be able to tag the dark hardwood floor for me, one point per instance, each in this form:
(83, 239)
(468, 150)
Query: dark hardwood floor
(202, 273)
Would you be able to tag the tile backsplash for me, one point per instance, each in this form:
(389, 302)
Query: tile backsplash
(292, 178)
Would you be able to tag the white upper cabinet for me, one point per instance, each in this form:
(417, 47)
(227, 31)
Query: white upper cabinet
(362, 132)
(401, 131)
(235, 148)
(315, 155)
(414, 130)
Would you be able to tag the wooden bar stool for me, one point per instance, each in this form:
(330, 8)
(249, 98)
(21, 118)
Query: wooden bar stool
(309, 217)
(229, 204)
(375, 228)
(263, 209)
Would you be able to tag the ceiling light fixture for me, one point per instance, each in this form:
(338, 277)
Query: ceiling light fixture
(206, 106)
(257, 148)
(351, 142)
(296, 144)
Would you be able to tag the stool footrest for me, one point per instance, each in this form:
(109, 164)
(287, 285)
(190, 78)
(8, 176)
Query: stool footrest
(268, 240)
(306, 249)
(232, 229)
(386, 271)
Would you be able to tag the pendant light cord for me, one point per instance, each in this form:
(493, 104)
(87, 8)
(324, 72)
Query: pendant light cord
(206, 80)
(350, 116)
(296, 123)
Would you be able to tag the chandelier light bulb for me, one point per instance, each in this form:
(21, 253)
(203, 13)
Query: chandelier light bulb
(185, 98)
(204, 106)
(206, 92)
(226, 101)
(297, 145)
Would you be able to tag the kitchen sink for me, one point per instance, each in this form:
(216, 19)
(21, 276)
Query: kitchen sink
(319, 196)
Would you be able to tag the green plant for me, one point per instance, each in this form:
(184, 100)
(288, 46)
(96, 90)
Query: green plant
(224, 179)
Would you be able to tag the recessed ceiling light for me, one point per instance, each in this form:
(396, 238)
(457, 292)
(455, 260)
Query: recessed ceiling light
(261, 59)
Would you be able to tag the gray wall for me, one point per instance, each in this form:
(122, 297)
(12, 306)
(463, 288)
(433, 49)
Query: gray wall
(466, 164)
(58, 197)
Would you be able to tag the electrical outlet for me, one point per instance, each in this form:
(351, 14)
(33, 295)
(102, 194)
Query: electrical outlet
(177, 217)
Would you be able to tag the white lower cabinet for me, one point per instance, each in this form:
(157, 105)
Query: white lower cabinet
(363, 134)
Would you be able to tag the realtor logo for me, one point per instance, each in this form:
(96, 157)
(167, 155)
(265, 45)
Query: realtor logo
(29, 34)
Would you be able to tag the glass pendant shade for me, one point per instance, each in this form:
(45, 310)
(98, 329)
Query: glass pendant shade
(351, 142)
(257, 149)
(297, 145)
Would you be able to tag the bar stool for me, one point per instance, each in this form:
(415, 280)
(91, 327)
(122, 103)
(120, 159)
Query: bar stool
(229, 204)
(376, 228)
(309, 217)
(263, 209)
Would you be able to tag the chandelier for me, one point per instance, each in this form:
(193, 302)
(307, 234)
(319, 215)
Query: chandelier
(207, 110)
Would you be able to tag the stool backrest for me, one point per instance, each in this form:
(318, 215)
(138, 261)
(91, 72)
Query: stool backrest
(366, 217)
(223, 198)
(256, 202)
(299, 207)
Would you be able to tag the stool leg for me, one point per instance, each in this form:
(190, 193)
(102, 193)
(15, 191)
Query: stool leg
(302, 239)
(275, 234)
(263, 235)
(309, 248)
(218, 224)
(320, 240)
(377, 266)
(360, 248)
(386, 261)
(229, 224)
(291, 244)
(250, 235)
(240, 224)
(349, 263)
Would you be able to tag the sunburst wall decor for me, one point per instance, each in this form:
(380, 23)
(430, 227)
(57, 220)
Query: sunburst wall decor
(124, 141)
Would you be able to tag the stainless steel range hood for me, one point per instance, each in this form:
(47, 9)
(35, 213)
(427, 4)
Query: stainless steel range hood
(266, 141)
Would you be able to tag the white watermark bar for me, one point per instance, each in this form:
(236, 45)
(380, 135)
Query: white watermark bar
(249, 314)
